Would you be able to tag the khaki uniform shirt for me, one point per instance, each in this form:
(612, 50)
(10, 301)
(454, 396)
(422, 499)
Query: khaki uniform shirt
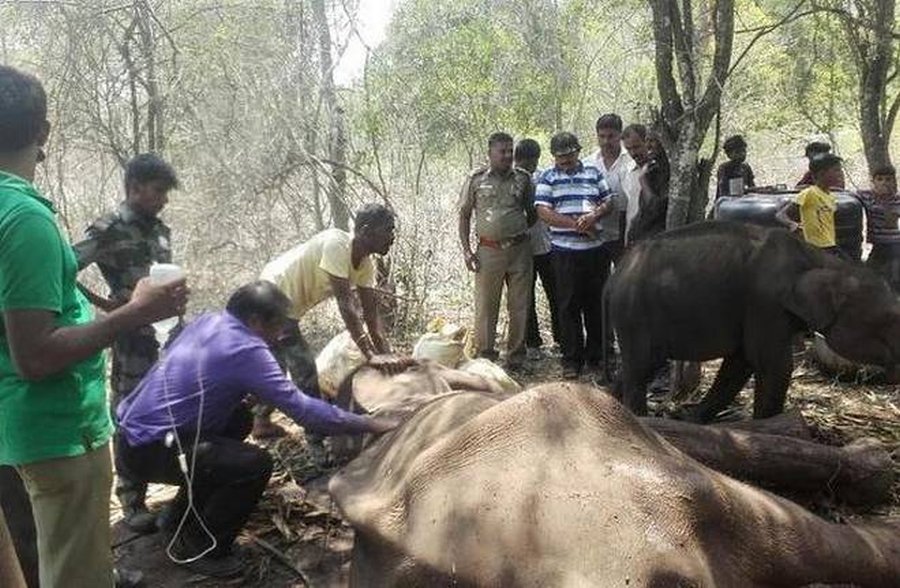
(503, 202)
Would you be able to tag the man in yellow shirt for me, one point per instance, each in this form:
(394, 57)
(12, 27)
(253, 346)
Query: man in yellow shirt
(815, 206)
(332, 263)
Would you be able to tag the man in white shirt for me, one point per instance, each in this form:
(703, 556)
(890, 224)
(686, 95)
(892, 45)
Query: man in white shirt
(614, 163)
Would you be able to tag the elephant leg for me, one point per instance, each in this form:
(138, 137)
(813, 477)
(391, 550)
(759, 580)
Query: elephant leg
(637, 371)
(730, 379)
(773, 378)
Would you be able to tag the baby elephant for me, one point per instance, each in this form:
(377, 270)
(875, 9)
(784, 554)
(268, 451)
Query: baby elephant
(741, 292)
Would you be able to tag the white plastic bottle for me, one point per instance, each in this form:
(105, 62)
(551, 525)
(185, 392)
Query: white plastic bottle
(161, 274)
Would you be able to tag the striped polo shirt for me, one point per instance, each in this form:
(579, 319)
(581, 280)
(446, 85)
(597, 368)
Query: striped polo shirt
(572, 194)
(882, 224)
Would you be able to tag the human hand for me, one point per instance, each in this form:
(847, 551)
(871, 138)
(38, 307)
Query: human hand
(585, 223)
(379, 425)
(154, 302)
(472, 262)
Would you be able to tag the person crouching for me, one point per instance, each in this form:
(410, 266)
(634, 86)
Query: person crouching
(187, 419)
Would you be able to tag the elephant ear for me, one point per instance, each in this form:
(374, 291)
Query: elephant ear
(816, 297)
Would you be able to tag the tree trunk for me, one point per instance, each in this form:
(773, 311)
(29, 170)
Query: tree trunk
(155, 100)
(860, 473)
(686, 111)
(873, 50)
(340, 213)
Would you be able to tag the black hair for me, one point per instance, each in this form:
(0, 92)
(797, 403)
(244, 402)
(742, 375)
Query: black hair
(527, 149)
(260, 299)
(373, 215)
(23, 109)
(820, 163)
(884, 170)
(499, 137)
(609, 121)
(733, 143)
(149, 167)
(816, 148)
(636, 129)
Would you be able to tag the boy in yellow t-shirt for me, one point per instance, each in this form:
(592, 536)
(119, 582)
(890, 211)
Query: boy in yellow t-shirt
(815, 206)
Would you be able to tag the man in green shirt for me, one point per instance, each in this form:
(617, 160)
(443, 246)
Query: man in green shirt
(54, 417)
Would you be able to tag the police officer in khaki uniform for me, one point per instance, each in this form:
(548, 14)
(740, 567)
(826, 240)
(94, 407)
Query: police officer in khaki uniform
(501, 198)
(124, 244)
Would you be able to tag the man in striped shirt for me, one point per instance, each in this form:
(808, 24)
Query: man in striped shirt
(882, 204)
(571, 198)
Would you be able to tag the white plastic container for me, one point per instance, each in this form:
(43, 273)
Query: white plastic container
(161, 274)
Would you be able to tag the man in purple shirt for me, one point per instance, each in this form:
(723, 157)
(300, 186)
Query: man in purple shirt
(191, 403)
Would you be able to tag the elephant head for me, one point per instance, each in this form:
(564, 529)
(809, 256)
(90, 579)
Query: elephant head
(853, 308)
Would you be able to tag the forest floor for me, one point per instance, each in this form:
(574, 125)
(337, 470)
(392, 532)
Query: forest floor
(296, 537)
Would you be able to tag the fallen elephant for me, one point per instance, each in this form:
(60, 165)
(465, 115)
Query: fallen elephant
(776, 453)
(561, 486)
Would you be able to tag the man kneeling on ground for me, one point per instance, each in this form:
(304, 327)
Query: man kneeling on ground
(190, 408)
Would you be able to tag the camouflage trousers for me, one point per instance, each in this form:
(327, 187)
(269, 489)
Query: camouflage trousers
(298, 361)
(133, 354)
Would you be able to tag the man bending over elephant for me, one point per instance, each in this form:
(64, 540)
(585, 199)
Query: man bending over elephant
(333, 262)
(187, 420)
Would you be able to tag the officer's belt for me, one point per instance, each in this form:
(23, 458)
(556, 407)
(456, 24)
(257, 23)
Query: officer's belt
(503, 243)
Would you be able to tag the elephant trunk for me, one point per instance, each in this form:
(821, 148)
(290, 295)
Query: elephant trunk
(785, 545)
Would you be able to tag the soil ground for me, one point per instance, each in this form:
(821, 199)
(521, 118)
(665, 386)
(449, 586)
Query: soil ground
(297, 538)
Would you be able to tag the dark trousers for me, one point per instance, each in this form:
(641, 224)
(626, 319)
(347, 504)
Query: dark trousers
(229, 479)
(580, 277)
(543, 267)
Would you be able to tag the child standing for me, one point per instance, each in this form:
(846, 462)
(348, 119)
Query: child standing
(815, 206)
(882, 204)
(736, 168)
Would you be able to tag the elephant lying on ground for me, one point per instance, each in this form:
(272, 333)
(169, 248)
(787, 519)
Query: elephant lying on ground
(741, 292)
(562, 486)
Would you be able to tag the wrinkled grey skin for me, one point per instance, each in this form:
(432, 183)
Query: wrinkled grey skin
(562, 486)
(741, 292)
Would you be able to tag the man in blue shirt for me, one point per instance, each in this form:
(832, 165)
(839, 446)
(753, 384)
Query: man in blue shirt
(571, 198)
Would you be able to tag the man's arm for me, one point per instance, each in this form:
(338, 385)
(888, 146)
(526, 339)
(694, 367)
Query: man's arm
(88, 251)
(40, 349)
(606, 203)
(651, 212)
(261, 373)
(466, 206)
(344, 297)
(786, 214)
(104, 304)
(368, 299)
(530, 212)
(555, 219)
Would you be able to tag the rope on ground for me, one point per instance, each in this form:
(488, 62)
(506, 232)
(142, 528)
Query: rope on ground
(281, 557)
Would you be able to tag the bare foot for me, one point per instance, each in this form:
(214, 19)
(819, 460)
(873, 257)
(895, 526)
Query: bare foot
(266, 429)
